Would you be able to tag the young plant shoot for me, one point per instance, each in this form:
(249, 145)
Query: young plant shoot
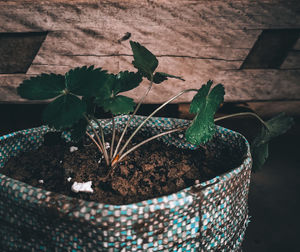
(78, 93)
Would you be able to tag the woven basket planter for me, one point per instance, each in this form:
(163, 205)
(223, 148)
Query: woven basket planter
(211, 216)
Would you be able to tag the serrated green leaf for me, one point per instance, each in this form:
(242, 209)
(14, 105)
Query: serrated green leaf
(126, 81)
(200, 99)
(159, 77)
(85, 81)
(205, 105)
(78, 130)
(144, 60)
(201, 130)
(108, 87)
(64, 111)
(41, 87)
(117, 105)
(122, 82)
(276, 126)
(111, 101)
(90, 105)
(279, 125)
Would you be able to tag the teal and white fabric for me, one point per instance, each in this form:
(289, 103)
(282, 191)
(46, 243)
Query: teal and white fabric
(211, 216)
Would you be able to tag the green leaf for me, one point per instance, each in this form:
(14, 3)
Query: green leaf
(64, 111)
(122, 82)
(260, 155)
(41, 87)
(204, 104)
(117, 105)
(78, 130)
(107, 88)
(159, 77)
(276, 126)
(85, 81)
(126, 81)
(90, 105)
(279, 125)
(109, 99)
(144, 60)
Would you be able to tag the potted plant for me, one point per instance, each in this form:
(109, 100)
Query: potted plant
(130, 212)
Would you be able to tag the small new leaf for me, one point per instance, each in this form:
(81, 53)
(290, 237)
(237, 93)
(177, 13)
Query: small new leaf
(204, 104)
(85, 81)
(64, 111)
(276, 126)
(109, 99)
(117, 105)
(159, 77)
(144, 60)
(41, 87)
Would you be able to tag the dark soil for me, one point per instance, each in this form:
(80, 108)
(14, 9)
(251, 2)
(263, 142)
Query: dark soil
(153, 170)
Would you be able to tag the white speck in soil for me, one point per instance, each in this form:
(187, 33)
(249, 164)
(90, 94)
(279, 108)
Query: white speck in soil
(69, 179)
(60, 161)
(107, 145)
(41, 181)
(180, 135)
(73, 148)
(82, 187)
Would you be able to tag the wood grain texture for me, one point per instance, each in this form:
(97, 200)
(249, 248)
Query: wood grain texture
(292, 61)
(271, 108)
(266, 109)
(8, 85)
(297, 45)
(198, 40)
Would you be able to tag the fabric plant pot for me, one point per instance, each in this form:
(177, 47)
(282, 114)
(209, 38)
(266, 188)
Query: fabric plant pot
(208, 216)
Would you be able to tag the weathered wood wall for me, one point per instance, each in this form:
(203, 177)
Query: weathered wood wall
(196, 39)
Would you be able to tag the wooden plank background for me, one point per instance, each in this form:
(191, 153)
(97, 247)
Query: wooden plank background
(198, 40)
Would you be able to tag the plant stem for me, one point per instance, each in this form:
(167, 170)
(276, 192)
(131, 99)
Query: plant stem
(102, 138)
(154, 112)
(95, 132)
(132, 115)
(94, 141)
(146, 141)
(243, 114)
(99, 141)
(113, 137)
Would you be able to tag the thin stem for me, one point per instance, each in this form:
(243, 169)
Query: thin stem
(95, 132)
(104, 152)
(95, 142)
(146, 141)
(154, 112)
(132, 115)
(102, 137)
(100, 128)
(113, 137)
(243, 114)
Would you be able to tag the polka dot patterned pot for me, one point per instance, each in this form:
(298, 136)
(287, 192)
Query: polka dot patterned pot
(211, 216)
